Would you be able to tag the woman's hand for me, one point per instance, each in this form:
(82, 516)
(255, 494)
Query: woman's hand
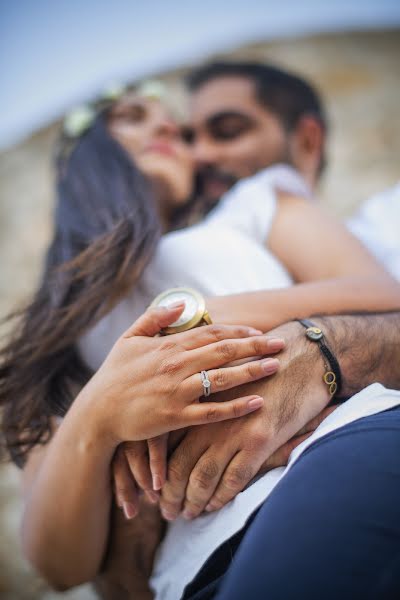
(128, 562)
(132, 472)
(148, 386)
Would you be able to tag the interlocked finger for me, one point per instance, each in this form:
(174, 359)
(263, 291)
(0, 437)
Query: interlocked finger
(158, 449)
(125, 489)
(136, 454)
(229, 377)
(180, 466)
(226, 351)
(205, 478)
(209, 334)
(202, 413)
(238, 474)
(154, 320)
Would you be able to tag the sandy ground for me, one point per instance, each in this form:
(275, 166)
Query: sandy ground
(359, 76)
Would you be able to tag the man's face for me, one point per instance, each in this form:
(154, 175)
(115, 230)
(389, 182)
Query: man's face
(234, 136)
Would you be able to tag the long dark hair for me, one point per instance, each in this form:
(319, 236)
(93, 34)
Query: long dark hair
(106, 230)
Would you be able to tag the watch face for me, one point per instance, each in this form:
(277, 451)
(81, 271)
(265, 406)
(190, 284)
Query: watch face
(192, 301)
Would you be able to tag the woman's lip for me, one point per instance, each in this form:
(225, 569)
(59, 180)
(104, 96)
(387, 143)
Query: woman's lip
(161, 148)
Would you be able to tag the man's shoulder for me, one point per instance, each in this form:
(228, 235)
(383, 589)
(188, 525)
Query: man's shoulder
(281, 177)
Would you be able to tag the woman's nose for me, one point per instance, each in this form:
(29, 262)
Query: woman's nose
(167, 128)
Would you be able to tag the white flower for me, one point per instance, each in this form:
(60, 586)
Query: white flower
(152, 89)
(113, 91)
(79, 120)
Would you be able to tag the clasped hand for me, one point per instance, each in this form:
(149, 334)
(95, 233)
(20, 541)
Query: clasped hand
(210, 464)
(165, 397)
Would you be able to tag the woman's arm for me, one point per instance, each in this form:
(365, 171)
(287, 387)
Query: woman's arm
(67, 499)
(145, 387)
(130, 554)
(332, 271)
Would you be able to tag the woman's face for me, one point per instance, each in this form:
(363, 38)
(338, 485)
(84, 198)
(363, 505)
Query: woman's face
(156, 144)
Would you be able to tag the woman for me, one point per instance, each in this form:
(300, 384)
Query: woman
(100, 252)
(99, 248)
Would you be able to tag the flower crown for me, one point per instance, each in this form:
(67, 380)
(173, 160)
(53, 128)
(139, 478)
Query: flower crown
(79, 120)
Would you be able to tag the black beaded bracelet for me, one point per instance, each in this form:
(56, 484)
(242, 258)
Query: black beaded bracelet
(333, 375)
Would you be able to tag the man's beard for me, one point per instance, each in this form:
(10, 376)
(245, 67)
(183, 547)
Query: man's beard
(209, 175)
(222, 180)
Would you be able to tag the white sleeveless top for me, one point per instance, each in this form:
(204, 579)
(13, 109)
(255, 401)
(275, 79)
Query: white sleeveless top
(226, 254)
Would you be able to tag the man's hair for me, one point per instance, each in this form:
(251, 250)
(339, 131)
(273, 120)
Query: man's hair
(287, 95)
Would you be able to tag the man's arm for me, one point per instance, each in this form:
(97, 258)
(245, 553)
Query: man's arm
(367, 347)
(368, 350)
(214, 463)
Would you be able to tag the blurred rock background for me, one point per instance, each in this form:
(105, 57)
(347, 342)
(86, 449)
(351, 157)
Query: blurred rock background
(359, 77)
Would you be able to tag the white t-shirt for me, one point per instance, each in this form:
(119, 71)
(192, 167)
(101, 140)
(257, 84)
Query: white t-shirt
(377, 225)
(226, 254)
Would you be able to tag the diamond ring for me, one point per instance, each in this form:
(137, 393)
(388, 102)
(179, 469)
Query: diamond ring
(206, 383)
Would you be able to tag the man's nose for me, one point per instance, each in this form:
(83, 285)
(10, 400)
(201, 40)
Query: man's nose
(205, 151)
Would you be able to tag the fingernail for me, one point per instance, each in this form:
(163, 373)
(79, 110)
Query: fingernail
(157, 483)
(129, 509)
(210, 507)
(253, 331)
(152, 496)
(270, 365)
(276, 344)
(175, 305)
(188, 515)
(253, 404)
(168, 516)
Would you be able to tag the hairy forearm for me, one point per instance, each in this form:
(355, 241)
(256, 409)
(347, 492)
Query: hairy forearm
(368, 350)
(300, 376)
(367, 347)
(66, 519)
(270, 308)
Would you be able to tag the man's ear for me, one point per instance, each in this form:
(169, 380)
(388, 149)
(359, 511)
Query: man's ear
(307, 143)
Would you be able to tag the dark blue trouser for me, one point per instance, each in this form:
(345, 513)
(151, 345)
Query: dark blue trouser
(331, 527)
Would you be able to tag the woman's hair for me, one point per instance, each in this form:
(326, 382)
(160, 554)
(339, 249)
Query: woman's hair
(106, 230)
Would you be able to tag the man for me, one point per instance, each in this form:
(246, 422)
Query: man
(246, 117)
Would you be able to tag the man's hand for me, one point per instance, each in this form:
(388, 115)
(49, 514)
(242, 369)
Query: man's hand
(280, 457)
(213, 463)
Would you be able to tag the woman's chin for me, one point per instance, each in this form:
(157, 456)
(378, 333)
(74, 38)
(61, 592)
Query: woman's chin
(169, 195)
(173, 186)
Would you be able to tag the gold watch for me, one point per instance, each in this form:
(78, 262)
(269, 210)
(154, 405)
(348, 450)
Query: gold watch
(195, 313)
